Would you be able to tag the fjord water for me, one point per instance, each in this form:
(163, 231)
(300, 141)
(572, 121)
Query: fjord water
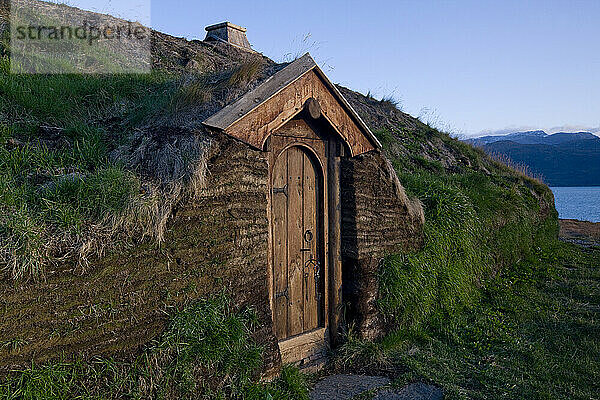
(582, 203)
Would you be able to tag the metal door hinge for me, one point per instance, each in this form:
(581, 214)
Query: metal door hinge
(283, 190)
(283, 294)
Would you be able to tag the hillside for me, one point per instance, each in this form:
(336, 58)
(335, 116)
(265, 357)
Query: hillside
(562, 159)
(97, 169)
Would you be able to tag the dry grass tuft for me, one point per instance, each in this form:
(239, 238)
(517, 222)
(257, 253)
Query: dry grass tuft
(153, 172)
(521, 169)
(171, 171)
(201, 95)
(389, 103)
(246, 72)
(414, 206)
(192, 90)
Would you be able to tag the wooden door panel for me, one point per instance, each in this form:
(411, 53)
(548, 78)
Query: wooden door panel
(280, 264)
(297, 242)
(310, 239)
(294, 235)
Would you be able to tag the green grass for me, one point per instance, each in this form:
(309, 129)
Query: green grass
(475, 225)
(532, 332)
(63, 205)
(493, 306)
(66, 100)
(54, 186)
(207, 352)
(61, 131)
(535, 334)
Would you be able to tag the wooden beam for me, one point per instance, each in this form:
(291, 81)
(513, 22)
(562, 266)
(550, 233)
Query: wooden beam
(303, 346)
(335, 241)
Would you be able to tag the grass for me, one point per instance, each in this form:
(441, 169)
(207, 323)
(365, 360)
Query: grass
(481, 216)
(44, 192)
(534, 334)
(66, 188)
(475, 225)
(493, 306)
(80, 171)
(206, 353)
(441, 277)
(521, 168)
(529, 329)
(59, 185)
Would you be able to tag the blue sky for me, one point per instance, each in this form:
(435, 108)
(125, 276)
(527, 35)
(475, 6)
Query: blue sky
(466, 66)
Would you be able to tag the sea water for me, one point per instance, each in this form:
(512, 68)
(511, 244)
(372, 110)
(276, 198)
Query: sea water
(581, 203)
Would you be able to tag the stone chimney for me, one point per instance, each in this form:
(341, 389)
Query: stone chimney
(229, 33)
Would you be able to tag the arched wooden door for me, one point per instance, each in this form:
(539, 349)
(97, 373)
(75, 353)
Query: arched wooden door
(297, 229)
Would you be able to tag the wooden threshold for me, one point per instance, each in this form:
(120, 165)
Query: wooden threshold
(305, 348)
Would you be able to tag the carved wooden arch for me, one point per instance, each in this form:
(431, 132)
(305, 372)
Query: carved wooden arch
(314, 153)
(259, 113)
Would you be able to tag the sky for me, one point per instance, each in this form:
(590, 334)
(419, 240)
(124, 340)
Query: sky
(468, 67)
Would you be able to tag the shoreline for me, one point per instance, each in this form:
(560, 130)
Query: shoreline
(584, 233)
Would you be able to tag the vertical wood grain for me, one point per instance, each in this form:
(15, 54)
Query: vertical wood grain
(310, 223)
(294, 228)
(335, 241)
(280, 262)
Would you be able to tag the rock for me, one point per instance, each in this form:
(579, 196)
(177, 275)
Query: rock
(50, 131)
(341, 387)
(414, 391)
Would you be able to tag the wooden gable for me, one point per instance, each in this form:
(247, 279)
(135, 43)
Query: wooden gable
(257, 114)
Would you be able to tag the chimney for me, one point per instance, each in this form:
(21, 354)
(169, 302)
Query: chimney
(229, 33)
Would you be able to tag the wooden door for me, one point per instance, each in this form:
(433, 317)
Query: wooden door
(297, 243)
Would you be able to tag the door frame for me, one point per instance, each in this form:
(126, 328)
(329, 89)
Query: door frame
(294, 348)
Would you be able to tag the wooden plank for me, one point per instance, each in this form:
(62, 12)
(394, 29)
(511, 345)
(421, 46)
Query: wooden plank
(303, 346)
(280, 264)
(335, 260)
(324, 199)
(294, 241)
(297, 128)
(310, 224)
(256, 126)
(253, 99)
(279, 143)
(347, 105)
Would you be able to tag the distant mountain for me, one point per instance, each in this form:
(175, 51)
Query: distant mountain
(534, 137)
(563, 159)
